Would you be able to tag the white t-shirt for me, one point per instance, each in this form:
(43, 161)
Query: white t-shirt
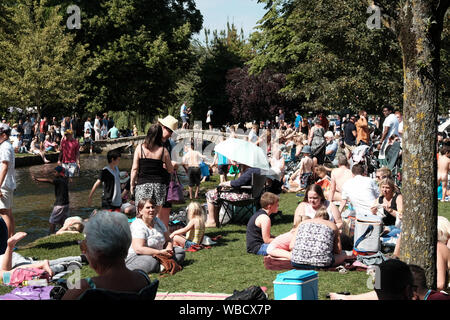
(361, 192)
(208, 116)
(7, 154)
(252, 137)
(310, 212)
(87, 125)
(183, 110)
(97, 124)
(154, 237)
(391, 121)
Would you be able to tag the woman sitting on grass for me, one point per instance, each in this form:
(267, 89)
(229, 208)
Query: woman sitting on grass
(150, 238)
(317, 243)
(313, 201)
(195, 229)
(279, 247)
(106, 244)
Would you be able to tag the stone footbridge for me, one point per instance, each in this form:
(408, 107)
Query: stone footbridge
(182, 136)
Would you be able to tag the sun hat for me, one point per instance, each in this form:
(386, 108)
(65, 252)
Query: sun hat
(124, 177)
(68, 131)
(328, 134)
(169, 122)
(306, 149)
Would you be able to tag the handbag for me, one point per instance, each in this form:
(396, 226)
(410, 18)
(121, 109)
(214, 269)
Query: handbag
(175, 193)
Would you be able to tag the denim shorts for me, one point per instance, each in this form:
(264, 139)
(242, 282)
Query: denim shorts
(263, 249)
(188, 244)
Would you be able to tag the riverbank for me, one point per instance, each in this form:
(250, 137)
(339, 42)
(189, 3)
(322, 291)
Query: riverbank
(27, 159)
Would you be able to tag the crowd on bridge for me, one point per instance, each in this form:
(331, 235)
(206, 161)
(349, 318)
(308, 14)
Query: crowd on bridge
(343, 170)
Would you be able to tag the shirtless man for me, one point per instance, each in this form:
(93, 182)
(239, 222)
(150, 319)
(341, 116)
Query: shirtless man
(338, 177)
(192, 160)
(442, 169)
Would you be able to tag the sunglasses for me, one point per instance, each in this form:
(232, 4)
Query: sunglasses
(381, 177)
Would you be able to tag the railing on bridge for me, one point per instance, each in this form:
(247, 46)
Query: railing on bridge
(178, 136)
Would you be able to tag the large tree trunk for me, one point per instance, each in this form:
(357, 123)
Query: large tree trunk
(419, 31)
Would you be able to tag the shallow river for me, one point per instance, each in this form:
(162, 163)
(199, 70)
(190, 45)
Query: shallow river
(33, 201)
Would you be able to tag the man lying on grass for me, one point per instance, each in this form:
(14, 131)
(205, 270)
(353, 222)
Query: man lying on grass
(258, 227)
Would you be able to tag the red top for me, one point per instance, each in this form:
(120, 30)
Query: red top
(69, 149)
(43, 126)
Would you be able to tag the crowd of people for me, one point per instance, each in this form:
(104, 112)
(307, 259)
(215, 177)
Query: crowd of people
(326, 163)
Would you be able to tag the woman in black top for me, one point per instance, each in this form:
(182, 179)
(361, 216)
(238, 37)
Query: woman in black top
(391, 200)
(149, 178)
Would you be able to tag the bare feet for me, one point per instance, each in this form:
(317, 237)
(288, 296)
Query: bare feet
(336, 296)
(210, 224)
(12, 241)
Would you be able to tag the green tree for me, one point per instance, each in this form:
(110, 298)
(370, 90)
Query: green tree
(418, 26)
(226, 50)
(330, 58)
(141, 49)
(40, 65)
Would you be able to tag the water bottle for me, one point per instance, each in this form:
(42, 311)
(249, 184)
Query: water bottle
(36, 283)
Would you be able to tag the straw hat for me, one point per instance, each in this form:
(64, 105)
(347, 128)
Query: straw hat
(68, 131)
(169, 122)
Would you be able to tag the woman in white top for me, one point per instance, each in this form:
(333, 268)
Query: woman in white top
(150, 237)
(314, 200)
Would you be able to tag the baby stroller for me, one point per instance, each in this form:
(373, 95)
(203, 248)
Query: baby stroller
(393, 161)
(363, 154)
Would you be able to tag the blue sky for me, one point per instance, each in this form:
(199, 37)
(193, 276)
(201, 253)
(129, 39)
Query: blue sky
(216, 13)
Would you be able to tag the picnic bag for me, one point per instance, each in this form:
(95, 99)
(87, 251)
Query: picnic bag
(367, 234)
(19, 275)
(175, 193)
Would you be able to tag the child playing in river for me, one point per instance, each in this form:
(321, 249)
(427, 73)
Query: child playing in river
(61, 207)
(195, 229)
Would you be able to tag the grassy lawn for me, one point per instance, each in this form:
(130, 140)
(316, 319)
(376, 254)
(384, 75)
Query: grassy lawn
(221, 269)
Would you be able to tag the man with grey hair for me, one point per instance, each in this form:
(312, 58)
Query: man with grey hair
(7, 178)
(331, 147)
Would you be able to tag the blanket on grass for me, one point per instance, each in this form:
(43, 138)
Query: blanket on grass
(278, 264)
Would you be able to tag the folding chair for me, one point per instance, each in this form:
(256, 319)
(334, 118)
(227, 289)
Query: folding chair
(146, 293)
(256, 190)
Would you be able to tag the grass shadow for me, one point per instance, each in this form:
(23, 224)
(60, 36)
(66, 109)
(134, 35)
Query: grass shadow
(51, 245)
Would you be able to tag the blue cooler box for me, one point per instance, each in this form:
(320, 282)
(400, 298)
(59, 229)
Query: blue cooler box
(296, 285)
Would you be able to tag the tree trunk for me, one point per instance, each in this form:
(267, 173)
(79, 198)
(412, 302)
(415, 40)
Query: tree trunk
(419, 35)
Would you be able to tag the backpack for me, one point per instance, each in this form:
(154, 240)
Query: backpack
(251, 293)
(19, 275)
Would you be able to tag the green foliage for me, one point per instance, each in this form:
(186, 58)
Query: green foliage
(40, 65)
(141, 49)
(226, 50)
(330, 57)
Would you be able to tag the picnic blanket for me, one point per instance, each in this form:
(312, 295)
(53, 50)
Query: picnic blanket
(279, 264)
(190, 296)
